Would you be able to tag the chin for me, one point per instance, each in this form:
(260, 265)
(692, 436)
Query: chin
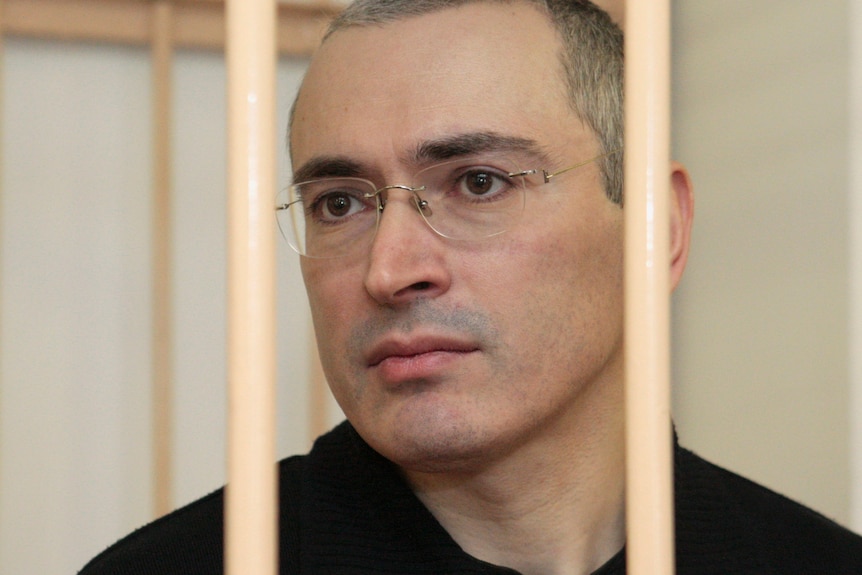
(437, 432)
(435, 460)
(436, 449)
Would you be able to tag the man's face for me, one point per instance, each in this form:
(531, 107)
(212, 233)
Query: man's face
(443, 353)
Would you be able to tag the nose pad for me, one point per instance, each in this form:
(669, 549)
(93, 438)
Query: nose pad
(423, 206)
(383, 201)
(403, 262)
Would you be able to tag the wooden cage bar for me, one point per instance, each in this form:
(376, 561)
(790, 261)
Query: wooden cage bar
(162, 313)
(649, 443)
(196, 23)
(251, 500)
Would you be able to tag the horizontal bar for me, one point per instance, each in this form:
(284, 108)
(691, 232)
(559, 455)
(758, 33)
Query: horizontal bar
(198, 24)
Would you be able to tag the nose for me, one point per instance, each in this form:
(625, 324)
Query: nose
(407, 260)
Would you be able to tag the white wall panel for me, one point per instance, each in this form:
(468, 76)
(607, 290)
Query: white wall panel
(75, 358)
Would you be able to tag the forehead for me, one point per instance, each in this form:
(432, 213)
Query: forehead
(483, 67)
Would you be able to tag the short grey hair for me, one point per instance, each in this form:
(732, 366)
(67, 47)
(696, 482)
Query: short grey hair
(591, 63)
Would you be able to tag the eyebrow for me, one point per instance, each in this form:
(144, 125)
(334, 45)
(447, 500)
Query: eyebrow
(428, 152)
(327, 167)
(467, 144)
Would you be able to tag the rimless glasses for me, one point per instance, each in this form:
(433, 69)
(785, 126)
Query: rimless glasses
(464, 199)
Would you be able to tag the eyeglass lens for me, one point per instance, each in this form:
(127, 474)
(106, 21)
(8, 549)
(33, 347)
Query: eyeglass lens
(464, 199)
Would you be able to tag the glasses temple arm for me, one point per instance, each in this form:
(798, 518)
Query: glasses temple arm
(548, 175)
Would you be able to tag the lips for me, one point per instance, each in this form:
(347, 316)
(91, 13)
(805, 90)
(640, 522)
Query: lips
(416, 357)
(407, 348)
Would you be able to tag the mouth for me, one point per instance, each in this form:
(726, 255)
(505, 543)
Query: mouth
(405, 349)
(418, 357)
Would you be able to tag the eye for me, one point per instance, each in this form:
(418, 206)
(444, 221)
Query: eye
(335, 205)
(482, 182)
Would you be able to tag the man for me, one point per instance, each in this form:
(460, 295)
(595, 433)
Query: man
(458, 205)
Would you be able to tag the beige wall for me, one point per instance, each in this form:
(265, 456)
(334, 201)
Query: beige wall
(761, 320)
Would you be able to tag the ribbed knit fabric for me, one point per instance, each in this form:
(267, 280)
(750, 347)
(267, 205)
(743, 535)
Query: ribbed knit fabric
(346, 511)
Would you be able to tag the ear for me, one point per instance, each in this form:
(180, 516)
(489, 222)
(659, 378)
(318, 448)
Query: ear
(682, 213)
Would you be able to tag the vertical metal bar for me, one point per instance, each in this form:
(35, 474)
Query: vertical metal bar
(251, 535)
(649, 452)
(162, 334)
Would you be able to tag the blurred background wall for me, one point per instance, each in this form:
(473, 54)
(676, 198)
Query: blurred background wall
(764, 319)
(766, 322)
(763, 118)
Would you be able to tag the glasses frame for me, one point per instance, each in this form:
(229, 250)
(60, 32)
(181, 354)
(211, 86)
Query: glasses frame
(421, 204)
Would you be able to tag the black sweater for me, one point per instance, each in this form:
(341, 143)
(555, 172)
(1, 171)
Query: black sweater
(344, 510)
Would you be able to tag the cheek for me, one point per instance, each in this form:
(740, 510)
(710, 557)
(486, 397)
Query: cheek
(564, 293)
(331, 295)
(331, 298)
(330, 284)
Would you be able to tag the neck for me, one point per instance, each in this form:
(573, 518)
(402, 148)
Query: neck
(554, 506)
